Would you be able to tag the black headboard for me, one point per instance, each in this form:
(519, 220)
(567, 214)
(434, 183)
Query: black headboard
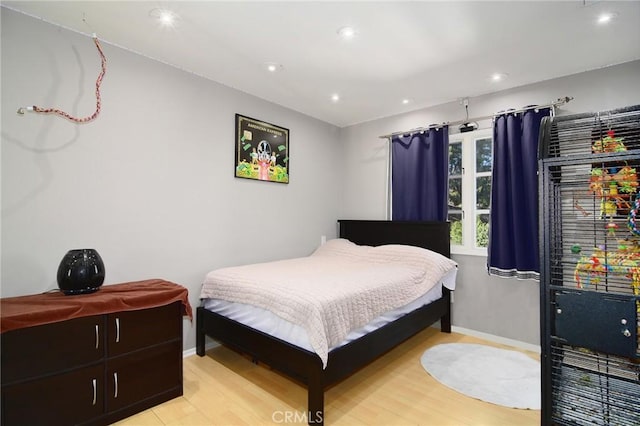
(430, 235)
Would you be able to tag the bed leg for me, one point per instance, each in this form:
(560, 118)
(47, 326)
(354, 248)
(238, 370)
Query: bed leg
(445, 320)
(199, 333)
(316, 399)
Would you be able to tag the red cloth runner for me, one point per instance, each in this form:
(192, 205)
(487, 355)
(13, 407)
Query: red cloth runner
(39, 309)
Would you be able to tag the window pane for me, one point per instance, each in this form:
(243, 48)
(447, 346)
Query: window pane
(455, 193)
(482, 230)
(455, 158)
(456, 228)
(483, 192)
(483, 155)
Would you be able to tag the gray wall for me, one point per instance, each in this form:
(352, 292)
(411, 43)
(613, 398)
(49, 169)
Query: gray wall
(149, 183)
(503, 307)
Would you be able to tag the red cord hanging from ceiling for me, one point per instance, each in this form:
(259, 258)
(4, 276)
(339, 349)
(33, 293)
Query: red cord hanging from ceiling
(98, 103)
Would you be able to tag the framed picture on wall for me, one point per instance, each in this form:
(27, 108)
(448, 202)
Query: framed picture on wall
(262, 150)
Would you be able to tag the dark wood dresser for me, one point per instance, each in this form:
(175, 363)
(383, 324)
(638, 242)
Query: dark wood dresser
(120, 358)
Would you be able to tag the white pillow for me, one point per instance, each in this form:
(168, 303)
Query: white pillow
(411, 256)
(339, 247)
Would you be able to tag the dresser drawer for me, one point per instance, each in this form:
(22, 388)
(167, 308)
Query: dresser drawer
(132, 330)
(36, 351)
(63, 399)
(144, 374)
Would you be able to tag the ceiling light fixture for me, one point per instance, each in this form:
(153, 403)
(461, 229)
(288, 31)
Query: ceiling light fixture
(273, 66)
(406, 101)
(165, 17)
(605, 18)
(335, 97)
(498, 76)
(347, 33)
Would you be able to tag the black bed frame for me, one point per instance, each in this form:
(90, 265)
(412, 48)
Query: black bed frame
(343, 361)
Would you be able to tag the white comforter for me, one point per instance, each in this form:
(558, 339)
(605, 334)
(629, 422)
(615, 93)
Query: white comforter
(340, 287)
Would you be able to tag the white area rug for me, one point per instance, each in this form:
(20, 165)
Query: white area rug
(499, 376)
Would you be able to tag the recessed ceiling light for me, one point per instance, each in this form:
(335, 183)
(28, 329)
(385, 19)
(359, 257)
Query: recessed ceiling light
(346, 33)
(335, 97)
(605, 18)
(165, 17)
(273, 66)
(406, 101)
(498, 76)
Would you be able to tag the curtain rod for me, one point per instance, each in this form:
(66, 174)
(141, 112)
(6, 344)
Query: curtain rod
(560, 101)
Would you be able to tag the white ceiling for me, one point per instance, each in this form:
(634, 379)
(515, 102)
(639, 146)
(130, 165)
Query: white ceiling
(430, 52)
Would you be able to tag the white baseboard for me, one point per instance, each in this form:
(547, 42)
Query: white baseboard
(497, 339)
(190, 352)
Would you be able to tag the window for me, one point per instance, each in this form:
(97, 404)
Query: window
(470, 165)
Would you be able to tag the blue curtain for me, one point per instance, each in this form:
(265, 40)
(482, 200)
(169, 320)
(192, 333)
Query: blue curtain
(513, 229)
(419, 175)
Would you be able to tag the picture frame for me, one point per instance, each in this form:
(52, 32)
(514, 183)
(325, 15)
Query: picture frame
(262, 150)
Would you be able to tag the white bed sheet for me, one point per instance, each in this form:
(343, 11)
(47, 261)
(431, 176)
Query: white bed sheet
(269, 323)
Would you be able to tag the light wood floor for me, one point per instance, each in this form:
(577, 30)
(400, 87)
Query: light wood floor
(224, 388)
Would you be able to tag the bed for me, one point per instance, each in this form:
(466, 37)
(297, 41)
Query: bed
(306, 365)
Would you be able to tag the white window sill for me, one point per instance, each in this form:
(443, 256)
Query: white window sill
(469, 251)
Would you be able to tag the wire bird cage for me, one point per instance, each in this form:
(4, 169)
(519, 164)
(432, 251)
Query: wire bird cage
(590, 268)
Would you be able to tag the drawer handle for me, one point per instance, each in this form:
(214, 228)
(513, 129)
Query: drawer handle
(115, 383)
(94, 391)
(97, 337)
(117, 330)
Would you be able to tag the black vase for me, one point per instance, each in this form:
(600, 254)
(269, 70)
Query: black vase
(80, 272)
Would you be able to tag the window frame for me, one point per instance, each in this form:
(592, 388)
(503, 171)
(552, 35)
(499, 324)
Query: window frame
(468, 186)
